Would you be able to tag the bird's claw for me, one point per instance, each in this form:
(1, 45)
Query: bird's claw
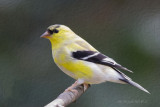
(71, 90)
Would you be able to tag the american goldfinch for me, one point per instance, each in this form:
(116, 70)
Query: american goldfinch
(79, 60)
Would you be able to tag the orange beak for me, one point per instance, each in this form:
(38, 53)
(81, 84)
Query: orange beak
(45, 35)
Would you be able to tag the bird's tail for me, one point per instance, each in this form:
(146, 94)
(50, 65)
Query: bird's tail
(135, 84)
(128, 80)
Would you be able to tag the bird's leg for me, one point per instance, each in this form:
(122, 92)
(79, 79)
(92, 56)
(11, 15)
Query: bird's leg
(71, 88)
(78, 82)
(86, 86)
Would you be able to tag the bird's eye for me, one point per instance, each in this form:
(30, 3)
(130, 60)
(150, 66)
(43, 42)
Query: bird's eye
(53, 31)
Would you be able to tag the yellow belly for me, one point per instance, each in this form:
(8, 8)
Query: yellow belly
(76, 67)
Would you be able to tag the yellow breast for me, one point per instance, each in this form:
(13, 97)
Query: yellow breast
(77, 67)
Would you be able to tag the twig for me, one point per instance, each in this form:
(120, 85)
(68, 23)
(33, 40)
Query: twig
(67, 97)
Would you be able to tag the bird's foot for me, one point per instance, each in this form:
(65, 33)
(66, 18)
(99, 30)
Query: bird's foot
(71, 88)
(85, 85)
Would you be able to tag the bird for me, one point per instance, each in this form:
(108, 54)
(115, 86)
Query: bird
(81, 61)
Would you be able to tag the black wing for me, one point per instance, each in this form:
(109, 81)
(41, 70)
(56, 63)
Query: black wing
(96, 57)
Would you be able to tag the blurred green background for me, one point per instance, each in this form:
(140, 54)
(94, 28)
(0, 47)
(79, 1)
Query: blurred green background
(128, 31)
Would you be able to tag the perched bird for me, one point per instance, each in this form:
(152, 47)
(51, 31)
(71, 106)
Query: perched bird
(78, 59)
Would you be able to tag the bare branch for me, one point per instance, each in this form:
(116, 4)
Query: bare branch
(68, 97)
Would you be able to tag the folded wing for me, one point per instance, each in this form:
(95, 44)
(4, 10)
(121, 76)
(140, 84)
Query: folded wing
(96, 57)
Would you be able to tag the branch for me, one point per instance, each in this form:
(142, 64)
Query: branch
(68, 97)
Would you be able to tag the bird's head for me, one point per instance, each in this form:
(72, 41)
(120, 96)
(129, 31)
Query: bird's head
(58, 34)
(57, 31)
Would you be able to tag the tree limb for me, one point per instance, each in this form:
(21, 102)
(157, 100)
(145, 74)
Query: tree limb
(68, 97)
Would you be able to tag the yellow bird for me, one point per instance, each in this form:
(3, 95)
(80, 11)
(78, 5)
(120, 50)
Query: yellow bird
(78, 59)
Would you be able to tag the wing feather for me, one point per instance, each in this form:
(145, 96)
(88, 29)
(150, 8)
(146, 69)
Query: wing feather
(96, 57)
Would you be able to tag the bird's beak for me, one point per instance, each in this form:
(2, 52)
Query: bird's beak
(45, 35)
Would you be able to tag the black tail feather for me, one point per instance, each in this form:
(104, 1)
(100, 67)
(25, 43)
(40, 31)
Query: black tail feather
(128, 80)
(135, 84)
